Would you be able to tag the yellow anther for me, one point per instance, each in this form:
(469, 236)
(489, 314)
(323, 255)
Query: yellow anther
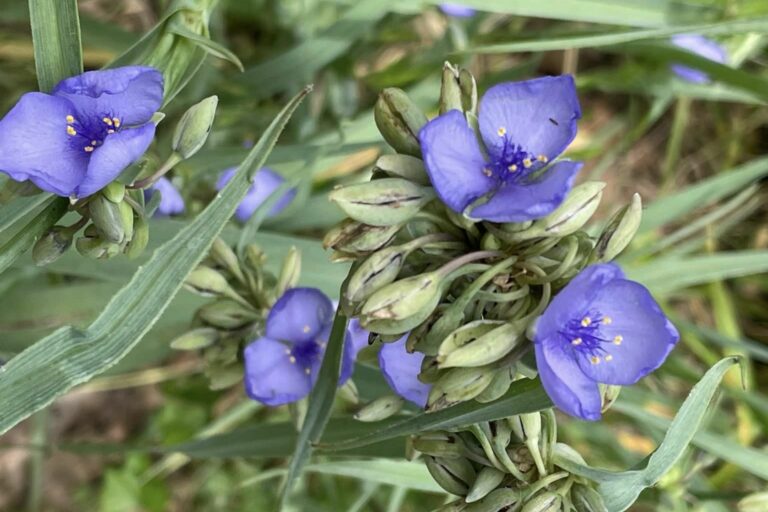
(527, 162)
(94, 143)
(307, 371)
(609, 358)
(107, 121)
(576, 341)
(288, 351)
(586, 321)
(116, 120)
(618, 339)
(488, 172)
(70, 119)
(110, 131)
(512, 168)
(306, 329)
(595, 360)
(542, 158)
(607, 320)
(88, 149)
(292, 360)
(71, 130)
(501, 131)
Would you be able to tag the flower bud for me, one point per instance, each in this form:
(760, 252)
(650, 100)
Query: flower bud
(586, 499)
(487, 480)
(380, 409)
(439, 444)
(206, 282)
(450, 90)
(140, 238)
(52, 245)
(573, 213)
(97, 248)
(224, 376)
(444, 478)
(107, 218)
(379, 269)
(468, 91)
(223, 254)
(484, 349)
(400, 306)
(115, 192)
(194, 127)
(567, 452)
(499, 499)
(226, 314)
(196, 339)
(458, 385)
(608, 394)
(545, 502)
(527, 427)
(126, 217)
(357, 238)
(498, 386)
(404, 166)
(399, 121)
(289, 272)
(757, 502)
(620, 230)
(384, 202)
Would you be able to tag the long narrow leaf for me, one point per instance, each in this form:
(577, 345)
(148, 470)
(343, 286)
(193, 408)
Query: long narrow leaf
(56, 38)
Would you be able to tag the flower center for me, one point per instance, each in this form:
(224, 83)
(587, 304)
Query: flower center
(88, 134)
(587, 338)
(513, 163)
(306, 354)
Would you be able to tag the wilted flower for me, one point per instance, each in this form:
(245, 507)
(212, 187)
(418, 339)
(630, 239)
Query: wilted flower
(702, 46)
(282, 366)
(171, 202)
(601, 328)
(457, 10)
(524, 126)
(76, 140)
(265, 182)
(401, 371)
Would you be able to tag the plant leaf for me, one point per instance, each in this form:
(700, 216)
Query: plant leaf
(56, 38)
(28, 232)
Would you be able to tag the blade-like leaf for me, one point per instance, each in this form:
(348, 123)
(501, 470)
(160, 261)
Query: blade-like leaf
(28, 231)
(71, 356)
(56, 38)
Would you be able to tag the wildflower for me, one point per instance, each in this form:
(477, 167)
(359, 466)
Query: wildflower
(76, 140)
(265, 182)
(601, 328)
(702, 46)
(457, 10)
(401, 371)
(171, 202)
(281, 367)
(524, 126)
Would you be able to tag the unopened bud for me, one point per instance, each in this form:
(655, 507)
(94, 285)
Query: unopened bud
(468, 91)
(289, 272)
(52, 245)
(380, 409)
(499, 499)
(484, 349)
(573, 213)
(384, 202)
(450, 90)
(567, 452)
(206, 282)
(107, 218)
(379, 269)
(357, 238)
(620, 230)
(126, 217)
(545, 502)
(400, 306)
(486, 481)
(226, 314)
(140, 238)
(527, 427)
(194, 127)
(757, 502)
(115, 192)
(96, 248)
(453, 475)
(399, 121)
(586, 499)
(439, 444)
(196, 339)
(609, 394)
(223, 377)
(498, 386)
(223, 254)
(404, 166)
(458, 385)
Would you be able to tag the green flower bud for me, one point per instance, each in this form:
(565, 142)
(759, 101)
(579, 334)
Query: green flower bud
(458, 385)
(380, 409)
(400, 306)
(107, 218)
(226, 314)
(52, 245)
(115, 192)
(527, 427)
(450, 90)
(384, 202)
(196, 339)
(289, 272)
(194, 127)
(499, 499)
(126, 217)
(489, 242)
(399, 121)
(458, 505)
(498, 386)
(444, 478)
(206, 282)
(223, 377)
(96, 248)
(357, 238)
(545, 502)
(586, 499)
(619, 231)
(567, 452)
(487, 348)
(439, 444)
(487, 480)
(223, 254)
(468, 91)
(404, 166)
(609, 395)
(379, 269)
(757, 502)
(140, 238)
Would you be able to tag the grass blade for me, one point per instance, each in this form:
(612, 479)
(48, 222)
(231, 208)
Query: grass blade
(56, 38)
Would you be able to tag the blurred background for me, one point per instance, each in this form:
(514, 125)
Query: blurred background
(693, 151)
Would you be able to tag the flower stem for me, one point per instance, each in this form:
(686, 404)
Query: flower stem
(169, 164)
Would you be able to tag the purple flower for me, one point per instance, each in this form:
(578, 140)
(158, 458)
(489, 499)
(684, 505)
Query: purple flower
(702, 46)
(601, 328)
(171, 202)
(401, 371)
(524, 126)
(457, 10)
(76, 140)
(265, 182)
(281, 367)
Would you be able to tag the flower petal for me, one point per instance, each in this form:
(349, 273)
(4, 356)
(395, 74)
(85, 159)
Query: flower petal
(570, 390)
(457, 10)
(539, 115)
(401, 371)
(131, 93)
(702, 46)
(574, 300)
(453, 160)
(520, 202)
(119, 150)
(265, 182)
(35, 146)
(171, 201)
(301, 314)
(271, 377)
(356, 339)
(646, 335)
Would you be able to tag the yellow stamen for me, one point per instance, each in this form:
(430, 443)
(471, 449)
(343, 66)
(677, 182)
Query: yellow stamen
(94, 143)
(306, 329)
(288, 351)
(618, 339)
(607, 320)
(116, 120)
(501, 131)
(586, 321)
(307, 371)
(107, 121)
(110, 131)
(527, 163)
(542, 158)
(512, 168)
(71, 130)
(595, 360)
(609, 358)
(70, 119)
(88, 149)
(488, 172)
(292, 360)
(576, 341)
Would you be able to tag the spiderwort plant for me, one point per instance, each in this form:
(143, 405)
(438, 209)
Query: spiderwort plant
(457, 10)
(601, 328)
(523, 126)
(171, 201)
(702, 46)
(401, 371)
(265, 182)
(76, 140)
(282, 366)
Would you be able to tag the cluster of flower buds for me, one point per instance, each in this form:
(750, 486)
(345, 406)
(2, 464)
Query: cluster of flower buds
(243, 294)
